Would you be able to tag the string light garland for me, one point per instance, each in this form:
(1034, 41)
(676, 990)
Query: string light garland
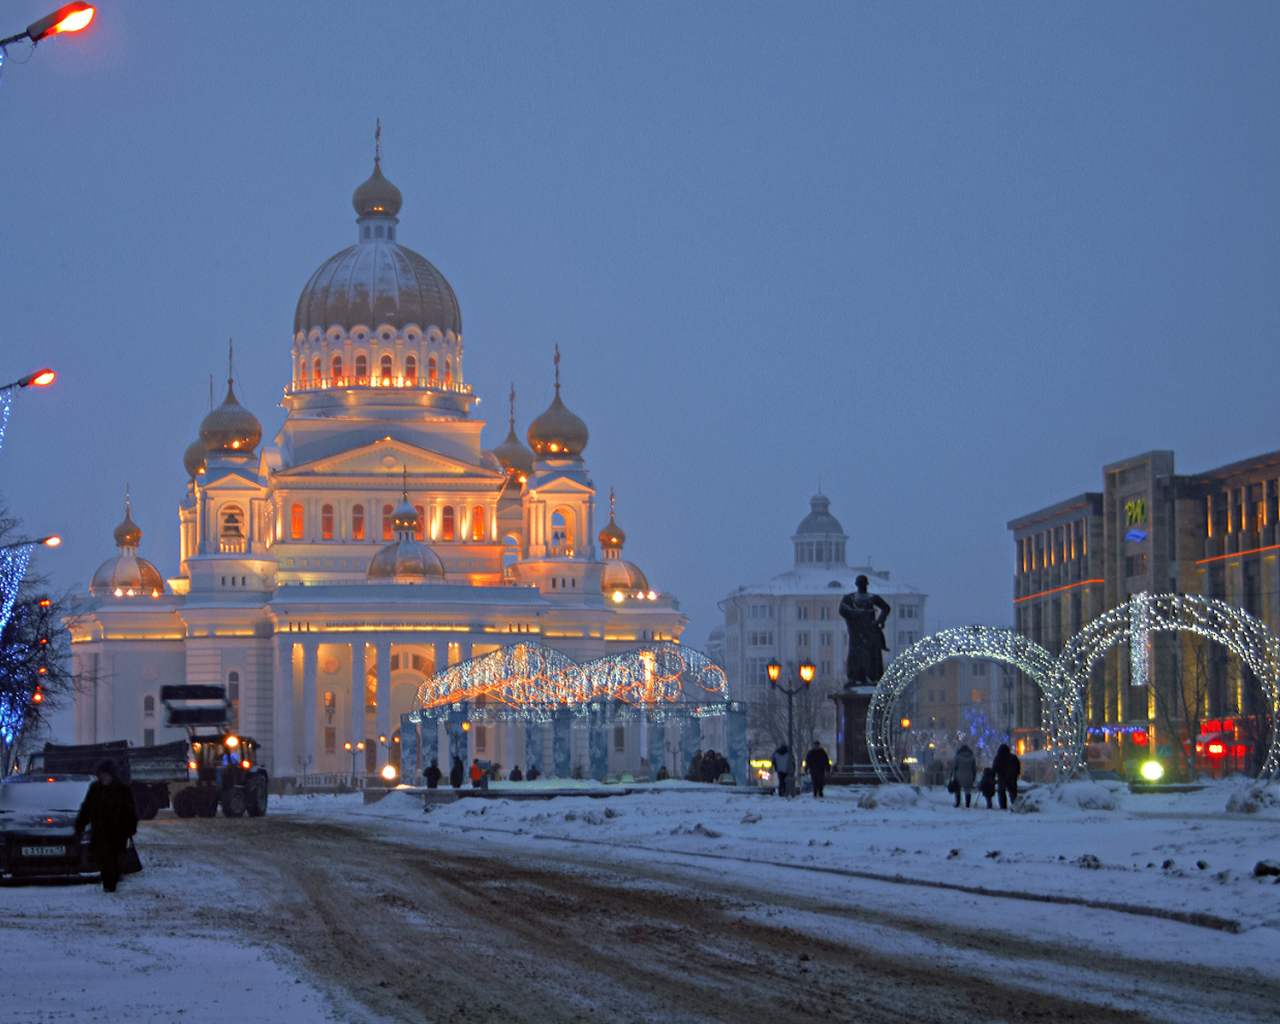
(13, 568)
(6, 400)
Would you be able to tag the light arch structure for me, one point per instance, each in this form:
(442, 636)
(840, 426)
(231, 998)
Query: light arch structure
(985, 642)
(1132, 624)
(658, 681)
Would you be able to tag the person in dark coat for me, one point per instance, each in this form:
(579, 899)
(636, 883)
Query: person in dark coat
(695, 767)
(534, 773)
(516, 774)
(1007, 768)
(784, 765)
(964, 772)
(817, 762)
(112, 819)
(987, 786)
(710, 766)
(433, 774)
(456, 773)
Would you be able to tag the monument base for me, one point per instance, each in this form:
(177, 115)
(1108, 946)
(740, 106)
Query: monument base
(853, 762)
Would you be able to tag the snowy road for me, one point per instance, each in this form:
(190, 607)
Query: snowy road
(330, 910)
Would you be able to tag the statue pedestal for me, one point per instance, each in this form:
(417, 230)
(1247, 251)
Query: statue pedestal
(853, 763)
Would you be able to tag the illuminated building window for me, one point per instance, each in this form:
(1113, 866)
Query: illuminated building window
(410, 369)
(385, 370)
(316, 367)
(330, 741)
(446, 523)
(477, 523)
(362, 366)
(448, 371)
(295, 522)
(337, 367)
(431, 369)
(302, 370)
(422, 519)
(387, 533)
(357, 522)
(326, 522)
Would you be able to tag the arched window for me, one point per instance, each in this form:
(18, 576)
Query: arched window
(148, 706)
(362, 366)
(316, 368)
(357, 522)
(385, 370)
(410, 370)
(367, 231)
(510, 550)
(377, 231)
(326, 522)
(446, 523)
(295, 522)
(448, 371)
(387, 533)
(562, 532)
(422, 519)
(231, 529)
(477, 523)
(302, 369)
(337, 367)
(431, 370)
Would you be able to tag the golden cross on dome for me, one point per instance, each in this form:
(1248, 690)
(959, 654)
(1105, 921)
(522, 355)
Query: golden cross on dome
(513, 405)
(557, 368)
(610, 502)
(405, 482)
(126, 499)
(377, 141)
(231, 359)
(211, 392)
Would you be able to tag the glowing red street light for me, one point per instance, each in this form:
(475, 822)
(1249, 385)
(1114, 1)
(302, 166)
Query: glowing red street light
(69, 18)
(39, 378)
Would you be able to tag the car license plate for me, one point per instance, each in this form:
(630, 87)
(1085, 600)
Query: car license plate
(44, 851)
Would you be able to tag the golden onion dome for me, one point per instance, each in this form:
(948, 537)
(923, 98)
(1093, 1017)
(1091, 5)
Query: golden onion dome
(127, 535)
(619, 574)
(193, 458)
(612, 536)
(406, 561)
(377, 197)
(557, 433)
(516, 459)
(230, 429)
(405, 519)
(126, 576)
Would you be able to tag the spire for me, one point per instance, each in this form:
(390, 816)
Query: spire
(557, 368)
(231, 359)
(126, 499)
(377, 143)
(404, 483)
(610, 502)
(211, 392)
(512, 421)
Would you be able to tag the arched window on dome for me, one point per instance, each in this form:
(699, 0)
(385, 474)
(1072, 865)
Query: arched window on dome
(378, 231)
(367, 231)
(357, 522)
(387, 531)
(362, 368)
(315, 366)
(326, 522)
(296, 522)
(410, 370)
(384, 370)
(422, 519)
(477, 523)
(446, 523)
(448, 371)
(431, 370)
(337, 369)
(562, 532)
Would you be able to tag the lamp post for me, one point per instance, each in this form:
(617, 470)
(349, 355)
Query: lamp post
(805, 673)
(68, 18)
(355, 752)
(38, 378)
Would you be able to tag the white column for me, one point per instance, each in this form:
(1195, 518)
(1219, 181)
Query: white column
(282, 683)
(383, 652)
(310, 652)
(357, 701)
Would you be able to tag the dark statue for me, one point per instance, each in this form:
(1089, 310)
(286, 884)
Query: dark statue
(865, 615)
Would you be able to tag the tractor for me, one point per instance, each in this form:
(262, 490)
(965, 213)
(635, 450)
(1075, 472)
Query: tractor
(224, 765)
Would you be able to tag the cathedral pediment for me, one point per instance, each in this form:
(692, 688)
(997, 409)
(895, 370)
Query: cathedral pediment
(390, 457)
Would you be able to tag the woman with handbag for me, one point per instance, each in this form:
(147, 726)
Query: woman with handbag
(964, 771)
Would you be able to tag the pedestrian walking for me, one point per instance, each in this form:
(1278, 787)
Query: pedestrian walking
(987, 785)
(456, 773)
(477, 773)
(710, 766)
(433, 774)
(1007, 768)
(964, 771)
(695, 766)
(784, 765)
(817, 762)
(109, 813)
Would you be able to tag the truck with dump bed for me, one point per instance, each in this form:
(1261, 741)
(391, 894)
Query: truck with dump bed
(145, 770)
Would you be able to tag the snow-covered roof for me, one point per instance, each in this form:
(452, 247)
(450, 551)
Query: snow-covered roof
(828, 579)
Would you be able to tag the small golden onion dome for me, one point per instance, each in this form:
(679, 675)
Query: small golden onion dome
(230, 429)
(406, 561)
(193, 458)
(377, 197)
(405, 519)
(516, 459)
(619, 574)
(557, 433)
(128, 534)
(126, 576)
(612, 536)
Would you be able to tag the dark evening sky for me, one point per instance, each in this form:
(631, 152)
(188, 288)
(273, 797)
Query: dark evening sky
(949, 259)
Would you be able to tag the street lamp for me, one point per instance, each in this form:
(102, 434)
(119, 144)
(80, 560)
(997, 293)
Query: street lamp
(69, 18)
(40, 378)
(354, 752)
(805, 672)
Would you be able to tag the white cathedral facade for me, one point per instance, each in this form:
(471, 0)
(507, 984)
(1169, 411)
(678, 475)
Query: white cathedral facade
(325, 576)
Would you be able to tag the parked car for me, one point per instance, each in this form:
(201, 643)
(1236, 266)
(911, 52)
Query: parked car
(37, 827)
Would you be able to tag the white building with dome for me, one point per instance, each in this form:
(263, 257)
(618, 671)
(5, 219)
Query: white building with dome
(325, 576)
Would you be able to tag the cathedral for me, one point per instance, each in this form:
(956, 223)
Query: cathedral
(326, 576)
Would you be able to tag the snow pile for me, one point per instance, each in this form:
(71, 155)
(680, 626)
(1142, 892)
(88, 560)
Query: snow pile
(1254, 799)
(1084, 796)
(890, 798)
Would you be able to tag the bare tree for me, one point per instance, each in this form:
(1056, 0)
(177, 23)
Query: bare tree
(1181, 702)
(813, 711)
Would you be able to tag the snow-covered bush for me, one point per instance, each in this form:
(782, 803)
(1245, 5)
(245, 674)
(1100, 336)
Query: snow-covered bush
(1254, 799)
(1084, 796)
(891, 797)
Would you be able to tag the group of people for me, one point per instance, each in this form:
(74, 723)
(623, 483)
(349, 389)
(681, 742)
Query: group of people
(816, 763)
(1000, 778)
(479, 776)
(706, 767)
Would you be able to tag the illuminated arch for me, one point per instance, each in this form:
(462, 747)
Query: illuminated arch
(1133, 623)
(658, 680)
(530, 677)
(1000, 645)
